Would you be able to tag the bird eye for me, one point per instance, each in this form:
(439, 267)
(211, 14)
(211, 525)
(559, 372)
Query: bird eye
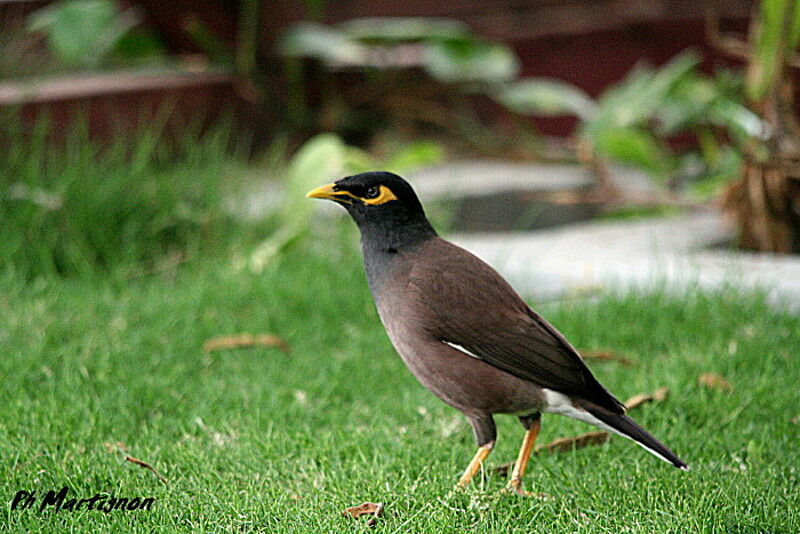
(372, 192)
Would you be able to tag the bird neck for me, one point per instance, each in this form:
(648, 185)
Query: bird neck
(383, 243)
(383, 236)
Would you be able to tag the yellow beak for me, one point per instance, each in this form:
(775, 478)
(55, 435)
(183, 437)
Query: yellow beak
(326, 191)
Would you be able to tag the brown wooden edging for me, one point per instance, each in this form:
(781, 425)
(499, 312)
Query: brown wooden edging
(109, 101)
(83, 86)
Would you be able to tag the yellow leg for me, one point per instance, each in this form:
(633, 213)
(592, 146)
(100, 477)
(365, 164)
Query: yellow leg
(475, 464)
(515, 484)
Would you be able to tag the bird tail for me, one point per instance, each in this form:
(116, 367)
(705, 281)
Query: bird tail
(626, 427)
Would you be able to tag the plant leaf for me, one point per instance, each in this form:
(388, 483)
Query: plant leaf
(313, 40)
(320, 159)
(545, 97)
(768, 39)
(634, 146)
(414, 156)
(470, 60)
(634, 100)
(403, 29)
(82, 32)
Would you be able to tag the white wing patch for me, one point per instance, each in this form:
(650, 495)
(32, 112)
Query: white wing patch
(560, 404)
(462, 349)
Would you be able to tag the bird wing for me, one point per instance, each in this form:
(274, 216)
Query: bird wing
(470, 305)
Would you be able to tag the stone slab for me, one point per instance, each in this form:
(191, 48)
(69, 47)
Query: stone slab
(675, 253)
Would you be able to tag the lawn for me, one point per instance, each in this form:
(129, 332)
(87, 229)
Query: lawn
(253, 439)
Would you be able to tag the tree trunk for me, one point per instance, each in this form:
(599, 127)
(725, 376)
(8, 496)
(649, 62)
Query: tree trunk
(765, 204)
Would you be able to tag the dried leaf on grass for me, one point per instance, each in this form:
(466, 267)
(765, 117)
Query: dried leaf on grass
(147, 466)
(239, 341)
(714, 381)
(658, 395)
(561, 445)
(590, 438)
(575, 442)
(375, 509)
(606, 356)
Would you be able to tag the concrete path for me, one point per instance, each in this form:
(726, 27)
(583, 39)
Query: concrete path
(675, 253)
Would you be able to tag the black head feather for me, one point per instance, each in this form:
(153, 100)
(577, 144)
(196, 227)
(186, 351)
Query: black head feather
(391, 224)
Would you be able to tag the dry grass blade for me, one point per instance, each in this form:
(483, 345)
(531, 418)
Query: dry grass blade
(147, 466)
(239, 341)
(375, 509)
(658, 395)
(576, 442)
(606, 356)
(714, 381)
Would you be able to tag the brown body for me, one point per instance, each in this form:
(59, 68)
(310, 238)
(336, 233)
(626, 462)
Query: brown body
(404, 305)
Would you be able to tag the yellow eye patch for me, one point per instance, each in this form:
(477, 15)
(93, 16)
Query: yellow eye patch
(385, 196)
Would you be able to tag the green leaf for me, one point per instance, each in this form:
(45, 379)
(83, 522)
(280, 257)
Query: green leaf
(404, 29)
(794, 35)
(716, 177)
(414, 156)
(82, 32)
(320, 160)
(739, 120)
(140, 44)
(769, 38)
(685, 105)
(321, 42)
(545, 97)
(634, 100)
(636, 147)
(467, 60)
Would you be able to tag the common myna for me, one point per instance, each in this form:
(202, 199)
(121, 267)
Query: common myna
(465, 333)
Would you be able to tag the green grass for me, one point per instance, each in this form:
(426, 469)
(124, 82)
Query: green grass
(76, 206)
(256, 440)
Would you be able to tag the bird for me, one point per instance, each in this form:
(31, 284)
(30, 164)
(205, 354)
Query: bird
(465, 333)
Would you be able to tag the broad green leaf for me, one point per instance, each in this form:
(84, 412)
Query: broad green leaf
(739, 120)
(546, 97)
(635, 99)
(467, 60)
(357, 161)
(404, 29)
(414, 156)
(768, 38)
(685, 105)
(636, 147)
(794, 36)
(82, 32)
(140, 44)
(726, 169)
(321, 42)
(320, 160)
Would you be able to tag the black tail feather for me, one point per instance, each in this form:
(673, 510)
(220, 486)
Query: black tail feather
(625, 426)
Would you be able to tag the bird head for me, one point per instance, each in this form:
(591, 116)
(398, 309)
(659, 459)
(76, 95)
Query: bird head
(384, 206)
(373, 196)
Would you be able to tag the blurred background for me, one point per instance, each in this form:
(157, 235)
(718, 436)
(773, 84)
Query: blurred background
(143, 134)
(169, 298)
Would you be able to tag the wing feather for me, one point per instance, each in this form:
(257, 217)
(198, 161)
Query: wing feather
(469, 304)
